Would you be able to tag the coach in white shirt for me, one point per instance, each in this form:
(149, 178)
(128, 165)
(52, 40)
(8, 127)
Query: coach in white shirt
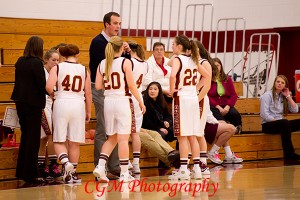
(158, 71)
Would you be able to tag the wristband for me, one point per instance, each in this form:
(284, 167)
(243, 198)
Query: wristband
(288, 96)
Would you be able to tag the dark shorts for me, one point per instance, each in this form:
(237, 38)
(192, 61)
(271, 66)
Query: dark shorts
(210, 132)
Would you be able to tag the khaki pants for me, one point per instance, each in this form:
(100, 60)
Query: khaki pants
(156, 145)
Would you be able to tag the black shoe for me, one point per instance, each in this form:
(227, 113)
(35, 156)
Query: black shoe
(174, 158)
(292, 156)
(238, 129)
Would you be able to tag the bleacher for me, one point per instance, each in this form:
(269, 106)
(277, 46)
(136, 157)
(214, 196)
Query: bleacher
(252, 144)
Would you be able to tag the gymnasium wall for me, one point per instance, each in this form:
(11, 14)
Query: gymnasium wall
(259, 14)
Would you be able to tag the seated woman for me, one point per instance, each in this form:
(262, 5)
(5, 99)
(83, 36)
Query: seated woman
(222, 97)
(157, 117)
(274, 105)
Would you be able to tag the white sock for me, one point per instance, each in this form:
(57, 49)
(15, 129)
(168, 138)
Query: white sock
(214, 149)
(228, 152)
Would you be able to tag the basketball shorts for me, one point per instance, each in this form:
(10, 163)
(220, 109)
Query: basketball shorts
(186, 116)
(119, 115)
(69, 120)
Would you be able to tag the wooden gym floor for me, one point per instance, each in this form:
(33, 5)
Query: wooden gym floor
(272, 179)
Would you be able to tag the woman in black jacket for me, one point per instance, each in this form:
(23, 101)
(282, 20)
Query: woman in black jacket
(157, 117)
(29, 96)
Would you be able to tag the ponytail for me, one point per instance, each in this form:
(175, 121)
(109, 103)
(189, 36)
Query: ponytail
(109, 55)
(195, 52)
(113, 46)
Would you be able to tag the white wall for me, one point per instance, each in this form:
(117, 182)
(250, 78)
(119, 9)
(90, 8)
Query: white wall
(259, 14)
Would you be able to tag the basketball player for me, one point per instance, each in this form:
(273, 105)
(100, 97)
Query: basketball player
(71, 108)
(186, 111)
(140, 68)
(51, 59)
(114, 74)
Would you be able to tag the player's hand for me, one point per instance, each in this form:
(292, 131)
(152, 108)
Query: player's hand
(142, 107)
(87, 117)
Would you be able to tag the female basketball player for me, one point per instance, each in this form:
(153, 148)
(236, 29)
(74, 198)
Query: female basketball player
(71, 108)
(51, 59)
(115, 75)
(186, 111)
(140, 68)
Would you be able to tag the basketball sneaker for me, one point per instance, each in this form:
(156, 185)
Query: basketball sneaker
(100, 173)
(196, 173)
(126, 177)
(233, 159)
(75, 177)
(214, 157)
(68, 169)
(204, 169)
(136, 169)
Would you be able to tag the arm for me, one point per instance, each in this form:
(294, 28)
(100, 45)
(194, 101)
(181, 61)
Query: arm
(175, 68)
(88, 97)
(99, 84)
(265, 103)
(51, 82)
(131, 84)
(293, 107)
(204, 83)
(233, 95)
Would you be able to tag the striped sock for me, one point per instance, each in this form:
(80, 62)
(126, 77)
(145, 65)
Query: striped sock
(136, 158)
(124, 165)
(41, 160)
(102, 159)
(196, 162)
(75, 166)
(52, 158)
(183, 163)
(63, 157)
(203, 157)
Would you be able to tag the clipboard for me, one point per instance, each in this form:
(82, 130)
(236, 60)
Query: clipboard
(11, 118)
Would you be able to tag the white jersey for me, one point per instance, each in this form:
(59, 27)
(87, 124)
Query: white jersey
(70, 81)
(117, 84)
(186, 77)
(140, 69)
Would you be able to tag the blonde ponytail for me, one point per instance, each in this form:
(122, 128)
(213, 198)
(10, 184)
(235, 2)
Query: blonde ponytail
(114, 45)
(109, 55)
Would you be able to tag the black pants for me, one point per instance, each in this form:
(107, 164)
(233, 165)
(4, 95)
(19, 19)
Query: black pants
(233, 116)
(285, 128)
(30, 121)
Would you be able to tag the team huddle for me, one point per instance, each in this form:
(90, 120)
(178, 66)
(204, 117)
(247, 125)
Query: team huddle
(118, 74)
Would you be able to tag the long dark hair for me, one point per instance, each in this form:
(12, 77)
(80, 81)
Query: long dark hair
(138, 49)
(34, 47)
(160, 100)
(206, 55)
(222, 75)
(188, 45)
